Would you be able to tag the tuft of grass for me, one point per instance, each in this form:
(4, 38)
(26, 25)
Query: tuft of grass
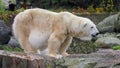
(116, 47)
(9, 48)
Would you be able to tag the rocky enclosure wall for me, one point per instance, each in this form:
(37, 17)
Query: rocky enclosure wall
(96, 17)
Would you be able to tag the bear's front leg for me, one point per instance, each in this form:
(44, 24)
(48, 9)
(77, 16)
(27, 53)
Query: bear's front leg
(65, 45)
(54, 43)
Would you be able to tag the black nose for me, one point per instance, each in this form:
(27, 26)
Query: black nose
(94, 35)
(97, 33)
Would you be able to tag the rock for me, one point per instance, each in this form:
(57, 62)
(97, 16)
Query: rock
(113, 34)
(107, 35)
(4, 33)
(103, 58)
(13, 42)
(107, 41)
(110, 24)
(77, 62)
(1, 47)
(118, 35)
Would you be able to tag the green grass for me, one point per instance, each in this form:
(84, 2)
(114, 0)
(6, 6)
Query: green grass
(9, 48)
(116, 47)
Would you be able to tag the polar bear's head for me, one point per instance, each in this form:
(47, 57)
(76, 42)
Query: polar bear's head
(89, 30)
(84, 28)
(79, 27)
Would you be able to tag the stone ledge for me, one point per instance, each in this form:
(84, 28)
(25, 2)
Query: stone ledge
(105, 58)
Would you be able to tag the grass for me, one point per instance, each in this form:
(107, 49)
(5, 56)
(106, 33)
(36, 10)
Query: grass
(117, 47)
(9, 48)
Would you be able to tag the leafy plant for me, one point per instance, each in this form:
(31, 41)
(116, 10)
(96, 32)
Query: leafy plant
(2, 5)
(99, 10)
(8, 16)
(107, 5)
(91, 9)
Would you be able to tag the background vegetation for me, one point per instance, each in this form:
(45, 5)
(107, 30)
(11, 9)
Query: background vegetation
(104, 5)
(74, 6)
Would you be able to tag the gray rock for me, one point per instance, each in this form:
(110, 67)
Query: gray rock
(103, 58)
(4, 33)
(113, 34)
(107, 41)
(107, 35)
(77, 62)
(118, 35)
(13, 42)
(110, 24)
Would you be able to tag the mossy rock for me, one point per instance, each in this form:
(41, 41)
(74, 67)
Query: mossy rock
(84, 47)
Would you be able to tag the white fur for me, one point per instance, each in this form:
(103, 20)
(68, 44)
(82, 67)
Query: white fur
(45, 32)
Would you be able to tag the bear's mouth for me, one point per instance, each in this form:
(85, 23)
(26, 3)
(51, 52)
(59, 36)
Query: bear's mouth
(94, 35)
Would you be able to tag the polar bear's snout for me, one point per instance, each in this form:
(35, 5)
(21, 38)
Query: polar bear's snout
(95, 34)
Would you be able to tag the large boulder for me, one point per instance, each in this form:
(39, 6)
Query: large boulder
(13, 42)
(107, 42)
(103, 58)
(5, 33)
(110, 24)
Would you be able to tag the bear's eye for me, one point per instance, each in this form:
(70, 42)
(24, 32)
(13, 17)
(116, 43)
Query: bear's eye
(92, 27)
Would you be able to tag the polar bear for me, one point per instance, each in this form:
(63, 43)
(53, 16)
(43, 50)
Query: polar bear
(50, 33)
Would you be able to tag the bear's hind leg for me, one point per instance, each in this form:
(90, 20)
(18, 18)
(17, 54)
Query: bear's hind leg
(25, 44)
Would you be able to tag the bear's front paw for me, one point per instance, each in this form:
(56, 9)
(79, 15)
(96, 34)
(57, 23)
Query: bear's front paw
(65, 54)
(57, 56)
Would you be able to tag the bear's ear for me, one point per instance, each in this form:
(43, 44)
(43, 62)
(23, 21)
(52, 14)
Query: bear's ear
(84, 25)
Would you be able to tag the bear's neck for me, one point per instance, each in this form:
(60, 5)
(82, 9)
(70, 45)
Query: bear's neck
(70, 30)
